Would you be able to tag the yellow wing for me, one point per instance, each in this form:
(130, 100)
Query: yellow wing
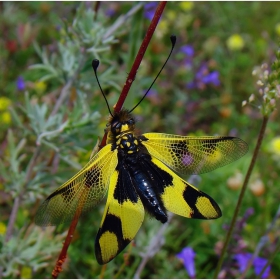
(122, 218)
(183, 199)
(194, 155)
(83, 190)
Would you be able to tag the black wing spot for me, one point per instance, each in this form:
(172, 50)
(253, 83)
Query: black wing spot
(210, 145)
(112, 224)
(66, 192)
(191, 196)
(178, 147)
(92, 176)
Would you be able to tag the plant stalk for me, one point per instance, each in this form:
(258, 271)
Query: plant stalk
(241, 196)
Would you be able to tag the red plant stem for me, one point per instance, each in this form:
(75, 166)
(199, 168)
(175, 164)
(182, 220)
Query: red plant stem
(137, 62)
(140, 55)
(117, 108)
(62, 256)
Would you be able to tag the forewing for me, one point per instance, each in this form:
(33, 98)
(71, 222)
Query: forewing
(81, 192)
(194, 155)
(122, 218)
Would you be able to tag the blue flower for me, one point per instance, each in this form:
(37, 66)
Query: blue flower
(149, 10)
(188, 50)
(187, 256)
(258, 263)
(110, 12)
(212, 78)
(203, 77)
(20, 83)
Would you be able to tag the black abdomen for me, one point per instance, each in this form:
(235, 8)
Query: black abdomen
(145, 188)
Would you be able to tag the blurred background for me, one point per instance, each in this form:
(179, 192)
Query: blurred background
(52, 113)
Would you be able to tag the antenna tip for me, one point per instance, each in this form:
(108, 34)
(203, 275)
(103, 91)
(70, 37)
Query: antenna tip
(173, 39)
(95, 64)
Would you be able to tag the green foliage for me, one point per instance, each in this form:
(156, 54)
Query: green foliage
(49, 125)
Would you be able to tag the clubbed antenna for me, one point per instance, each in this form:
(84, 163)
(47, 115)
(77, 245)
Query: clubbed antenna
(95, 64)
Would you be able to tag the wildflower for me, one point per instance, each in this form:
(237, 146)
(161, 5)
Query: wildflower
(257, 187)
(235, 42)
(4, 103)
(252, 98)
(187, 256)
(212, 78)
(163, 26)
(26, 272)
(11, 46)
(258, 263)
(110, 12)
(188, 50)
(149, 9)
(277, 29)
(5, 117)
(171, 15)
(203, 78)
(40, 86)
(225, 112)
(20, 83)
(235, 182)
(153, 96)
(3, 228)
(275, 145)
(186, 5)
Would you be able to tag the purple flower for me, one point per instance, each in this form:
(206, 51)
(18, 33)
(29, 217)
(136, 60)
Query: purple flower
(258, 263)
(249, 212)
(203, 77)
(187, 256)
(151, 92)
(149, 10)
(20, 83)
(187, 50)
(110, 12)
(212, 78)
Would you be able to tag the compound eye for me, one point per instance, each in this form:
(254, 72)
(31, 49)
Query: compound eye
(116, 125)
(131, 121)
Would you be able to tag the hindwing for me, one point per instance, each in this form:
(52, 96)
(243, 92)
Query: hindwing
(83, 190)
(122, 218)
(177, 195)
(194, 155)
(183, 199)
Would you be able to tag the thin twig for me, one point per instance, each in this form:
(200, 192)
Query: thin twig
(270, 260)
(18, 199)
(66, 88)
(153, 247)
(121, 20)
(242, 193)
